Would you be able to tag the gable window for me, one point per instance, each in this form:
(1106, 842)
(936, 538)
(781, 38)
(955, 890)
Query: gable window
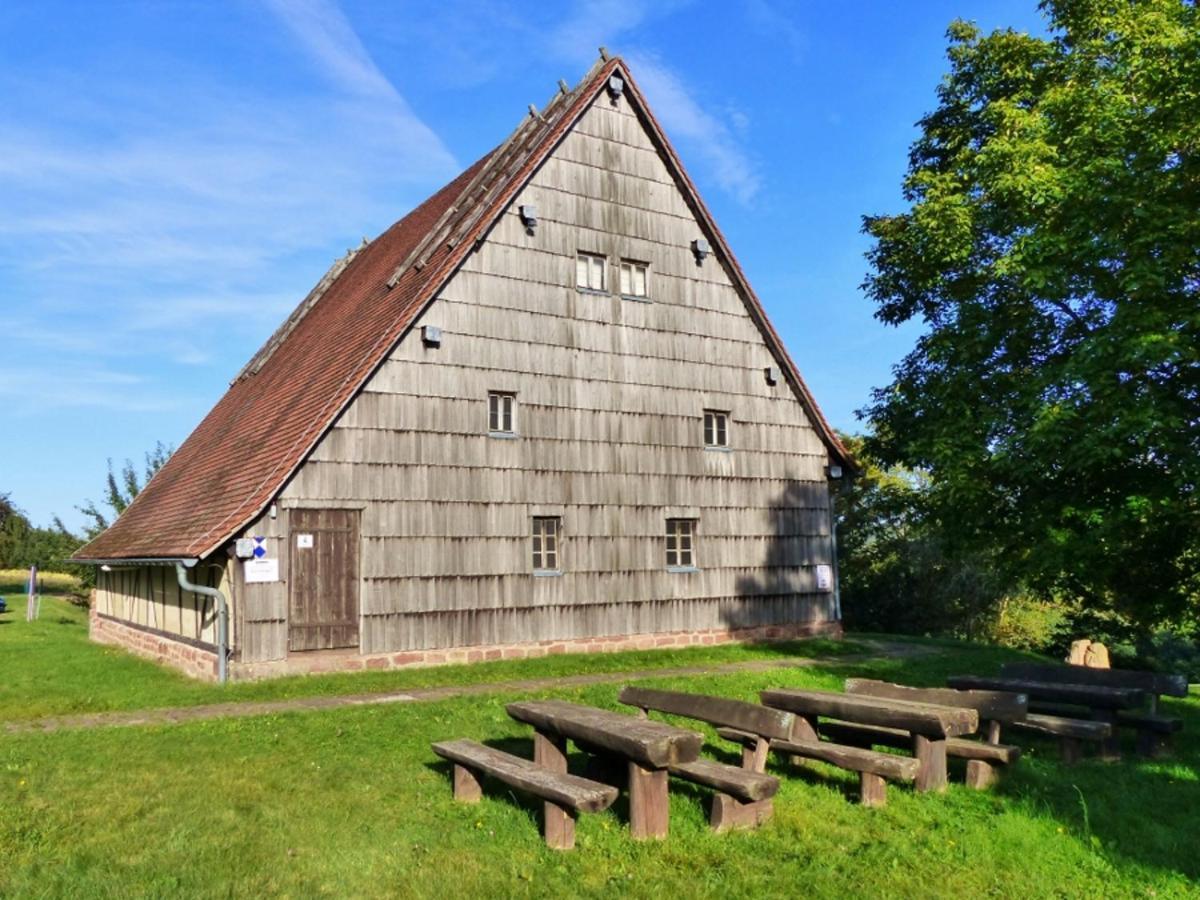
(546, 531)
(634, 277)
(681, 536)
(589, 271)
(716, 429)
(502, 413)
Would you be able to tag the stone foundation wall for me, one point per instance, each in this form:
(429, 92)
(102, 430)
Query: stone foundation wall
(192, 660)
(201, 662)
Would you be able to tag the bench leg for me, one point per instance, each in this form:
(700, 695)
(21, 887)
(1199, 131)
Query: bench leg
(550, 752)
(728, 812)
(803, 730)
(931, 753)
(649, 809)
(872, 789)
(1153, 745)
(558, 826)
(1110, 747)
(980, 774)
(466, 785)
(754, 759)
(1071, 749)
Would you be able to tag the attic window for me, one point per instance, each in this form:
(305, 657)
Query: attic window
(681, 534)
(634, 279)
(502, 414)
(589, 272)
(716, 429)
(546, 530)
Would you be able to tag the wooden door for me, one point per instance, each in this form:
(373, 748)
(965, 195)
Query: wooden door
(323, 579)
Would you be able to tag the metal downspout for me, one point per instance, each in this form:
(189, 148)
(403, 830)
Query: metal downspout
(222, 618)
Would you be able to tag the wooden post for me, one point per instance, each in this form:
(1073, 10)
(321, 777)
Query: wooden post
(931, 753)
(804, 730)
(558, 826)
(1151, 745)
(872, 789)
(728, 812)
(649, 807)
(1110, 747)
(754, 759)
(992, 731)
(980, 774)
(1071, 749)
(550, 752)
(466, 785)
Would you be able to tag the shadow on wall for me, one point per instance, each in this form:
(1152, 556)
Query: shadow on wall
(783, 590)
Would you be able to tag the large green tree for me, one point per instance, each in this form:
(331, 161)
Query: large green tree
(1052, 250)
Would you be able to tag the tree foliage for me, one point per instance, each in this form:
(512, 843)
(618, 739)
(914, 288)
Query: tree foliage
(119, 490)
(1052, 250)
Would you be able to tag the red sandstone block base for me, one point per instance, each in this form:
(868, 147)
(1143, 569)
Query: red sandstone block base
(201, 663)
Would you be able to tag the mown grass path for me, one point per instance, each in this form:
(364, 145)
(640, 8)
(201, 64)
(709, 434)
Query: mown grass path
(168, 715)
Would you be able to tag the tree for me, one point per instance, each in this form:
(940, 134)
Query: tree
(120, 489)
(1052, 250)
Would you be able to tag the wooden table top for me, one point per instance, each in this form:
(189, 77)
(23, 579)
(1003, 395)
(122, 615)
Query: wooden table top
(654, 745)
(927, 719)
(1092, 695)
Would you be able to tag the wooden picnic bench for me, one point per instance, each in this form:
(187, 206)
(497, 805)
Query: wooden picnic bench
(565, 795)
(929, 725)
(993, 707)
(648, 749)
(743, 796)
(1101, 702)
(1153, 729)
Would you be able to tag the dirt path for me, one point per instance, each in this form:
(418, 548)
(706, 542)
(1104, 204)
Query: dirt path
(180, 714)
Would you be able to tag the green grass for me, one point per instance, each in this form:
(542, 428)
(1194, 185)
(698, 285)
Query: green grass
(49, 667)
(352, 803)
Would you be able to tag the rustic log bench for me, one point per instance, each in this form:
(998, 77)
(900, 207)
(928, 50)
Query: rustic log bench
(995, 708)
(1101, 702)
(928, 724)
(648, 750)
(874, 769)
(565, 795)
(743, 797)
(1153, 729)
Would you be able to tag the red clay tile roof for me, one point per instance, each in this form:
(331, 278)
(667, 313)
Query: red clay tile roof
(273, 414)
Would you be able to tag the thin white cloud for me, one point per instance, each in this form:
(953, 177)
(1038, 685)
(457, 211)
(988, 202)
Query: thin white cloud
(712, 138)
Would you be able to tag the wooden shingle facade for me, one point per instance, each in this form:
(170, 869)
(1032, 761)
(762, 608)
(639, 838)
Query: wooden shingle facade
(587, 436)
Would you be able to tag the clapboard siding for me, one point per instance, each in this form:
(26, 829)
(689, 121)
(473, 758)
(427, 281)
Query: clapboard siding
(611, 394)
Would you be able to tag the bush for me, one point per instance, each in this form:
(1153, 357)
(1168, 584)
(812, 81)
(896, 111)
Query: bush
(1170, 651)
(1029, 623)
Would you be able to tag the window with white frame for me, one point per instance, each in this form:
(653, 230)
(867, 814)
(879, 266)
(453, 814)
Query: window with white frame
(546, 533)
(589, 271)
(681, 537)
(502, 412)
(716, 428)
(634, 278)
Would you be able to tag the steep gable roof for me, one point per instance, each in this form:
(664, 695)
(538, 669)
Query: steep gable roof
(295, 386)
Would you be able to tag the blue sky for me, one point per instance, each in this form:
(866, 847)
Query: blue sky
(175, 176)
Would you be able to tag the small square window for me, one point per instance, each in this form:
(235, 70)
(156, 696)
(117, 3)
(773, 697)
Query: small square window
(546, 532)
(716, 428)
(589, 272)
(681, 534)
(502, 413)
(634, 279)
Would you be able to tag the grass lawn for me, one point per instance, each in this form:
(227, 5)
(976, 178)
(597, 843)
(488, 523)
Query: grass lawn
(49, 667)
(351, 802)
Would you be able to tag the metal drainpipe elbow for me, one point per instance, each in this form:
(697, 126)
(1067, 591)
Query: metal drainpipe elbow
(222, 618)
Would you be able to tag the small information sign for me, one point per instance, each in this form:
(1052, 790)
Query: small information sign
(261, 569)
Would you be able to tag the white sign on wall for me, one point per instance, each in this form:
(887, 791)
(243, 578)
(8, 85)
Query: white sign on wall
(304, 541)
(261, 570)
(824, 578)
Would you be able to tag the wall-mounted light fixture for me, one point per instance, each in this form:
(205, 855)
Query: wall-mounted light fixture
(834, 472)
(771, 374)
(701, 249)
(615, 87)
(528, 214)
(431, 336)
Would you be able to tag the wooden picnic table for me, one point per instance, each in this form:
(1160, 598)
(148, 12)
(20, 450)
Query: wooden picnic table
(647, 747)
(1102, 701)
(929, 724)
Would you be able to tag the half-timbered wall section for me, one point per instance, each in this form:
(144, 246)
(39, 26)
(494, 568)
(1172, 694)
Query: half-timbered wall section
(610, 401)
(150, 598)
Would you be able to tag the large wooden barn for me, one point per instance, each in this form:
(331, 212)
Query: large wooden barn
(542, 412)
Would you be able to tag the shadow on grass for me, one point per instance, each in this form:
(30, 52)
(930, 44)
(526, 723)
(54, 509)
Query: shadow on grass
(1136, 809)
